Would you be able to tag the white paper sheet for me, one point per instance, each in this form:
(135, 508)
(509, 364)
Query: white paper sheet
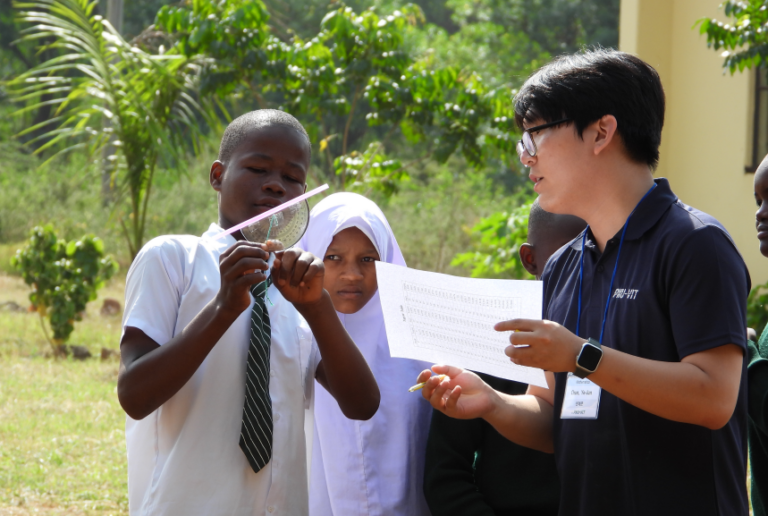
(446, 319)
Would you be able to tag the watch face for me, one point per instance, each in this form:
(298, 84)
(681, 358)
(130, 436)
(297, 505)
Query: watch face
(590, 357)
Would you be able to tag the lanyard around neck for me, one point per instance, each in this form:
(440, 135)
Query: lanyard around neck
(615, 267)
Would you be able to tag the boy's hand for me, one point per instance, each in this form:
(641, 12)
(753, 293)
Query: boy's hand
(240, 266)
(463, 395)
(298, 275)
(550, 346)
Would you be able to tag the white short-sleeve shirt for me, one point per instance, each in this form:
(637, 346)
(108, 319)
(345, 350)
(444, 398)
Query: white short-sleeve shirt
(184, 458)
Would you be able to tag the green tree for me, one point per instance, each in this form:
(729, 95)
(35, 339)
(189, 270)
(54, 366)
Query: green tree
(496, 242)
(356, 85)
(64, 276)
(556, 26)
(507, 40)
(97, 76)
(743, 38)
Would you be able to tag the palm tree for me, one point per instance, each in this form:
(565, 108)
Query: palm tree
(111, 99)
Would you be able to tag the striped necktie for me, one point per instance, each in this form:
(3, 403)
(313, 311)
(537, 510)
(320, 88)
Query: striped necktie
(256, 430)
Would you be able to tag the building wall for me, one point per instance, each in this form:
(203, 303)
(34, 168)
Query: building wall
(707, 135)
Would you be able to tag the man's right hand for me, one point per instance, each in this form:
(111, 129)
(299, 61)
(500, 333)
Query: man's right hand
(240, 266)
(463, 395)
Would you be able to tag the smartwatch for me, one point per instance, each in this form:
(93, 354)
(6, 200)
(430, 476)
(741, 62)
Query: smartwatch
(588, 358)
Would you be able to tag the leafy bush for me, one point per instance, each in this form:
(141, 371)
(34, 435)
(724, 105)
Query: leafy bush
(743, 38)
(757, 308)
(64, 276)
(496, 240)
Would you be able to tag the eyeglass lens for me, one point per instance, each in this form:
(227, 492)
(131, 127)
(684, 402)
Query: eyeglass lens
(530, 147)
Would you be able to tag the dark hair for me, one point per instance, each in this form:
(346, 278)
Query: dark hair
(593, 83)
(239, 128)
(552, 226)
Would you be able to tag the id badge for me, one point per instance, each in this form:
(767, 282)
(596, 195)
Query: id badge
(582, 398)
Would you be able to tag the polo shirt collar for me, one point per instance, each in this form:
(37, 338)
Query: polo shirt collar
(648, 213)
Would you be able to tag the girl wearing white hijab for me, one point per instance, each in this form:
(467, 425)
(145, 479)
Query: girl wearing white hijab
(373, 467)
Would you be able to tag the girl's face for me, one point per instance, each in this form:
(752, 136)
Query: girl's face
(350, 272)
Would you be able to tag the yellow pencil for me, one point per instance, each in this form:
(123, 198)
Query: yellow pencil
(421, 385)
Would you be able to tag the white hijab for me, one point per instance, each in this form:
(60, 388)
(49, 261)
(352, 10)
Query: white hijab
(373, 467)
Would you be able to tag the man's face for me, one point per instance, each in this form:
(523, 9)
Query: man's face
(268, 168)
(558, 169)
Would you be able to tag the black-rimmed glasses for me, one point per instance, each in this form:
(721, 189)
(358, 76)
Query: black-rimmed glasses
(526, 142)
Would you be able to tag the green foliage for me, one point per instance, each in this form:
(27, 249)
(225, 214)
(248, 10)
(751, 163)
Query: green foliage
(556, 26)
(744, 39)
(138, 15)
(67, 194)
(64, 276)
(430, 213)
(354, 85)
(113, 99)
(757, 308)
(497, 240)
(371, 169)
(497, 53)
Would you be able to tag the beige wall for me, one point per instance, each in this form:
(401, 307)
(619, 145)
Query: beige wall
(707, 130)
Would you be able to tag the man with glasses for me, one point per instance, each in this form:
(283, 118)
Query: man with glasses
(644, 313)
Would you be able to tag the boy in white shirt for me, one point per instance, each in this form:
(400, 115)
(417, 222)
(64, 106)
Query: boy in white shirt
(188, 335)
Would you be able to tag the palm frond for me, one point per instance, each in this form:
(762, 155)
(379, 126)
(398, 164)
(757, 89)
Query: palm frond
(109, 95)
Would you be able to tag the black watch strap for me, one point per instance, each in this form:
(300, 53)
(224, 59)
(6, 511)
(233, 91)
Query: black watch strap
(589, 358)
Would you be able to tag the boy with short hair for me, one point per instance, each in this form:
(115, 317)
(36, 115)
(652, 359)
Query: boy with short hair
(758, 368)
(643, 333)
(471, 470)
(214, 380)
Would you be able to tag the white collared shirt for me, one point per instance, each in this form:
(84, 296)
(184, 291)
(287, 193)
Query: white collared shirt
(184, 458)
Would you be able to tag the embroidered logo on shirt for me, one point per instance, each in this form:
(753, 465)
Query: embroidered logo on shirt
(625, 293)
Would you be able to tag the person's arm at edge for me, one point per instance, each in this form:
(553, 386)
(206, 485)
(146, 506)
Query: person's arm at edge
(523, 419)
(151, 374)
(757, 374)
(342, 370)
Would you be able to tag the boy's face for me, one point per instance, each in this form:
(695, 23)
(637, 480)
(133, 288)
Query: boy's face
(268, 168)
(543, 244)
(350, 270)
(761, 196)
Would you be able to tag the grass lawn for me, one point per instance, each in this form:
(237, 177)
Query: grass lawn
(62, 447)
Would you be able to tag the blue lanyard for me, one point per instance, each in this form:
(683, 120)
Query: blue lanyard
(615, 267)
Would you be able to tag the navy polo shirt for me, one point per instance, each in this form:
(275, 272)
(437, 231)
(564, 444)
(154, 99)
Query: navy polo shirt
(681, 287)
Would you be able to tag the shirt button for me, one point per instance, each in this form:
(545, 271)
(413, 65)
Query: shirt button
(277, 417)
(600, 268)
(270, 509)
(271, 373)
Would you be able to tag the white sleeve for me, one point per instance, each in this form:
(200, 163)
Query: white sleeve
(309, 359)
(153, 289)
